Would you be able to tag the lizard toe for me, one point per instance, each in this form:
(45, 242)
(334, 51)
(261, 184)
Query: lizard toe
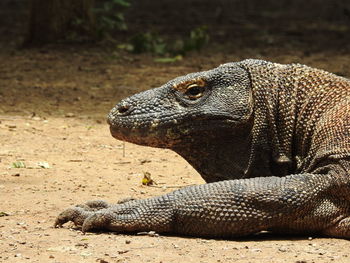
(75, 214)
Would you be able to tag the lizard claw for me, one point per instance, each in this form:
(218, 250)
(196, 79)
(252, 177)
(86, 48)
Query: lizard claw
(75, 214)
(80, 213)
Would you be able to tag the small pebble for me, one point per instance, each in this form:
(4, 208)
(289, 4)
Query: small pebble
(282, 249)
(70, 115)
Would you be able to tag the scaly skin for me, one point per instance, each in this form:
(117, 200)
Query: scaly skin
(271, 140)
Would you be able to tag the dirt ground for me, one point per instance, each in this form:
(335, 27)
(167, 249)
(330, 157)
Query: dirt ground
(53, 103)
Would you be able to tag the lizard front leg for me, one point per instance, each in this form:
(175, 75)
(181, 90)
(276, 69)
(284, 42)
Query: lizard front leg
(293, 204)
(135, 215)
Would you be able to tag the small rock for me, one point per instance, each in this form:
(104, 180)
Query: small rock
(127, 241)
(84, 245)
(85, 254)
(4, 214)
(62, 249)
(70, 115)
(255, 250)
(143, 161)
(51, 256)
(282, 249)
(122, 251)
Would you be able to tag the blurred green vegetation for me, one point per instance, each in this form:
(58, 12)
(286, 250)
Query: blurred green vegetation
(110, 17)
(110, 22)
(172, 49)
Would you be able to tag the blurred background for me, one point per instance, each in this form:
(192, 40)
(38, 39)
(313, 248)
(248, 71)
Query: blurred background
(60, 56)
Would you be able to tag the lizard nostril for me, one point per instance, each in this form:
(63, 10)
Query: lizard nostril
(122, 109)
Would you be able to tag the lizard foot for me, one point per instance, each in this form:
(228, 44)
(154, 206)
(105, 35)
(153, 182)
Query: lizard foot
(128, 216)
(80, 213)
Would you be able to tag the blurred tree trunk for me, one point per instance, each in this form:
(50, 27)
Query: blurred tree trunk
(51, 20)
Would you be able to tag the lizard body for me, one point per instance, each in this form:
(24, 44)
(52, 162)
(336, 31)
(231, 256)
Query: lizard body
(272, 142)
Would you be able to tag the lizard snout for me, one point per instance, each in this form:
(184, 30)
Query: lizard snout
(121, 109)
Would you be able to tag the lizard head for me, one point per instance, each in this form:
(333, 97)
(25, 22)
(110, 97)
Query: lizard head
(197, 105)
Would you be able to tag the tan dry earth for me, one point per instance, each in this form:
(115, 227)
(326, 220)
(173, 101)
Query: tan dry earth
(52, 107)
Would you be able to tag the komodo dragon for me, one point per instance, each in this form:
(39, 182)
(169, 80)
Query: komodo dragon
(272, 142)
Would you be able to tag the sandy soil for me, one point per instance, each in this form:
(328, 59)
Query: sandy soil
(52, 108)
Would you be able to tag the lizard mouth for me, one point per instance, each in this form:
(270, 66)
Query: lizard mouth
(169, 134)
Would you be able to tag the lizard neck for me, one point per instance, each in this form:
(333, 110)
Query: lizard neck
(216, 161)
(274, 119)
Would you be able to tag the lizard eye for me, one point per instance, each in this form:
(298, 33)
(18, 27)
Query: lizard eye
(194, 92)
